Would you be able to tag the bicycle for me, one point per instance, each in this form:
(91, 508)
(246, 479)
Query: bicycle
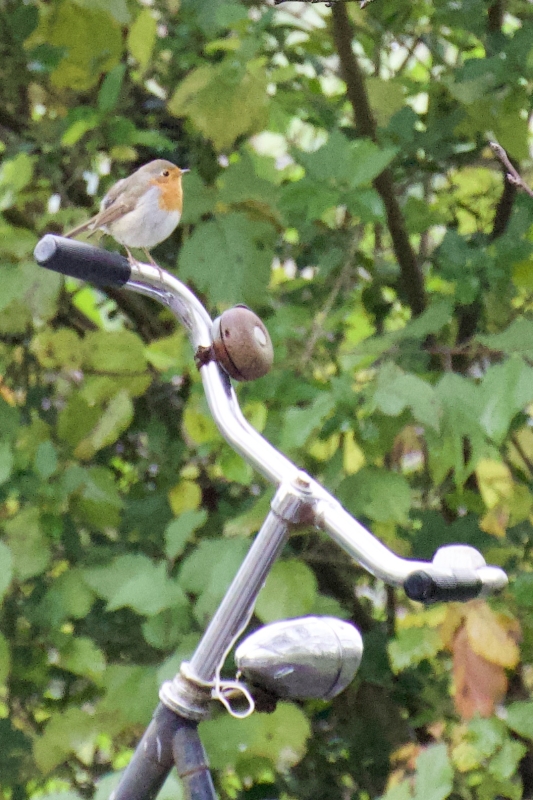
(308, 657)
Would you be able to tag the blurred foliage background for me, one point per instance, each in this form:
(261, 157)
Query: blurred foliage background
(342, 185)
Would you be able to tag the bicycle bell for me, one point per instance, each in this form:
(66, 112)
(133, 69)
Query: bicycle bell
(241, 344)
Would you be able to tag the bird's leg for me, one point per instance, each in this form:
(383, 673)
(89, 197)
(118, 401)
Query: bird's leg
(131, 258)
(154, 263)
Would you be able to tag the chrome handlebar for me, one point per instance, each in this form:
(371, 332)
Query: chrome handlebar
(457, 572)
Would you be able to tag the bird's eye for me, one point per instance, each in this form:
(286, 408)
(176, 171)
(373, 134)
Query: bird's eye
(165, 173)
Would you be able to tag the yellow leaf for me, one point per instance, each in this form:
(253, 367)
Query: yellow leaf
(184, 496)
(353, 457)
(141, 38)
(324, 450)
(431, 617)
(523, 274)
(496, 521)
(494, 480)
(465, 756)
(256, 413)
(452, 620)
(492, 636)
(198, 428)
(520, 505)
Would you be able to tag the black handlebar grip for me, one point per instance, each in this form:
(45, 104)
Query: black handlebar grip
(80, 260)
(426, 588)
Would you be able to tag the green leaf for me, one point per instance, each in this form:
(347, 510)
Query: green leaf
(180, 530)
(239, 183)
(112, 421)
(45, 462)
(167, 353)
(229, 258)
(29, 546)
(5, 660)
(517, 338)
(411, 646)
(68, 597)
(122, 683)
(399, 791)
(434, 774)
(58, 349)
(81, 656)
(98, 503)
(15, 174)
(224, 100)
(90, 40)
(280, 737)
(135, 581)
(79, 122)
(519, 718)
(376, 493)
(397, 390)
(199, 199)
(117, 8)
(208, 572)
(6, 461)
(487, 736)
(461, 401)
(349, 163)
(252, 519)
(110, 89)
(77, 419)
(300, 423)
(522, 589)
(506, 389)
(142, 37)
(73, 731)
(234, 468)
(290, 590)
(505, 763)
(166, 629)
(118, 352)
(6, 568)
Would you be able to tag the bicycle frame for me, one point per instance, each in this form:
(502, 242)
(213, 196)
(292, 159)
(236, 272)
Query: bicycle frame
(456, 573)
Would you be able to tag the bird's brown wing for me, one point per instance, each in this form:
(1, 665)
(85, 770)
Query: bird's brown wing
(114, 205)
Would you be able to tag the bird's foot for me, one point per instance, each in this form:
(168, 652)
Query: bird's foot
(153, 263)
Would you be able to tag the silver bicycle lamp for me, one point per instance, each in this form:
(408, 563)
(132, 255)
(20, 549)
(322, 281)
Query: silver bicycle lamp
(299, 659)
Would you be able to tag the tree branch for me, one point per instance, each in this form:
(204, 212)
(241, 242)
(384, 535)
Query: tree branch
(412, 279)
(512, 174)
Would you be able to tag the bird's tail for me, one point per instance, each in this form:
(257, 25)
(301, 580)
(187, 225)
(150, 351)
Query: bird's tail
(85, 226)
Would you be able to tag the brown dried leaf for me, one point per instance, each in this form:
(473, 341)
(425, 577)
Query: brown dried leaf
(479, 684)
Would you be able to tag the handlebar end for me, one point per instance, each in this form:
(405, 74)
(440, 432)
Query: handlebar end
(81, 260)
(426, 588)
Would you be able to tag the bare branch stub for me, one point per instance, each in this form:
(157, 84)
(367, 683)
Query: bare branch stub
(513, 176)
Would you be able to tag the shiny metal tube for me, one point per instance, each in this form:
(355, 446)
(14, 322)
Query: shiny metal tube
(221, 398)
(353, 537)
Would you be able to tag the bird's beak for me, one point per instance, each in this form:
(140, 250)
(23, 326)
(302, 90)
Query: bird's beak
(183, 171)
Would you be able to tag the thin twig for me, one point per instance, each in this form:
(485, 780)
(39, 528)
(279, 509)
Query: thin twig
(513, 176)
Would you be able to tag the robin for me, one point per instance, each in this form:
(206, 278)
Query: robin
(141, 210)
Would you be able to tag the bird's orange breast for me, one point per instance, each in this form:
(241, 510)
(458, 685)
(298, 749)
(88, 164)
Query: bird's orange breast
(170, 192)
